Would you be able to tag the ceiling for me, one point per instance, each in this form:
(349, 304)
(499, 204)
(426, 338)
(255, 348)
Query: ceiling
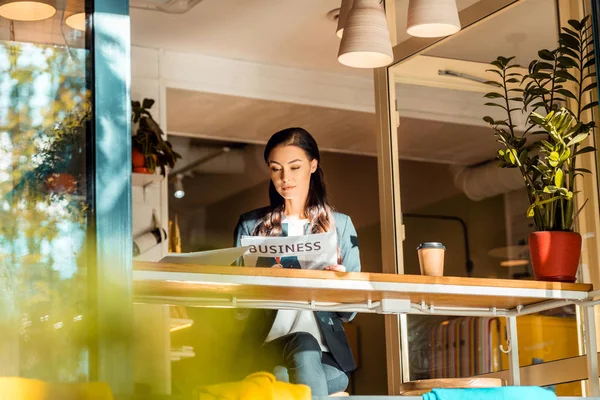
(298, 33)
(241, 119)
(521, 31)
(291, 33)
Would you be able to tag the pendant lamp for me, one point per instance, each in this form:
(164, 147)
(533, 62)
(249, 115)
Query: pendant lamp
(76, 21)
(75, 14)
(343, 17)
(20, 10)
(432, 18)
(366, 40)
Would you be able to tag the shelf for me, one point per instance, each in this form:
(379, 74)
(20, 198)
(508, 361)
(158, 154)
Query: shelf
(177, 324)
(144, 180)
(181, 353)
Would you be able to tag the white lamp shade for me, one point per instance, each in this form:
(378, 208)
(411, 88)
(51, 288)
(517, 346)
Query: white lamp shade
(432, 18)
(366, 40)
(18, 10)
(343, 17)
(76, 21)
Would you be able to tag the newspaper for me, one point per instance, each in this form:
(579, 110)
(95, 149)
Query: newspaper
(301, 252)
(222, 257)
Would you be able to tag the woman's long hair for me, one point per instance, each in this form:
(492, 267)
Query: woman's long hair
(317, 210)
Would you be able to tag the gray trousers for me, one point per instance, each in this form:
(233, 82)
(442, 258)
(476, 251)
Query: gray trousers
(297, 358)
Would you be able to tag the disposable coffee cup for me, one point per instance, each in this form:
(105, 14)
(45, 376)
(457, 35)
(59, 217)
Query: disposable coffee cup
(431, 258)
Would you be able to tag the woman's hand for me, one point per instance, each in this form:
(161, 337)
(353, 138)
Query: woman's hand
(336, 268)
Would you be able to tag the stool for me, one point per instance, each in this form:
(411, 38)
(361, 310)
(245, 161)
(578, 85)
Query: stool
(418, 388)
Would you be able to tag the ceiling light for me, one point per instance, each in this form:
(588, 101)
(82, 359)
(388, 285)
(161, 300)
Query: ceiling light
(343, 16)
(432, 18)
(179, 192)
(76, 21)
(366, 40)
(19, 10)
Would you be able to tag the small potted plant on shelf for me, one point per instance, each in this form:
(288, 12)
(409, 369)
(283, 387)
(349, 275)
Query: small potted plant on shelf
(554, 93)
(149, 148)
(62, 164)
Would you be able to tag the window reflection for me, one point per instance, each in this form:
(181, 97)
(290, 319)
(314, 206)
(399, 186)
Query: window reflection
(45, 111)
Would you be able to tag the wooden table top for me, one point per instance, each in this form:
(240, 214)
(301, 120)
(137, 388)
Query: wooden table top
(187, 283)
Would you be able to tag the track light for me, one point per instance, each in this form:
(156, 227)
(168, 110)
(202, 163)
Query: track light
(179, 192)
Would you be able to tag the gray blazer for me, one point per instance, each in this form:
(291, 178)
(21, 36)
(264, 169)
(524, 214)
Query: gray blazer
(330, 323)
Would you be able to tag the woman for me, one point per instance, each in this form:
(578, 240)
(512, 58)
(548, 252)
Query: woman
(307, 347)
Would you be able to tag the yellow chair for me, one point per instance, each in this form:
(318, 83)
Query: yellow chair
(12, 388)
(258, 386)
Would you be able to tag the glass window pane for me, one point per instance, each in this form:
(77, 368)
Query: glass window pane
(475, 208)
(45, 208)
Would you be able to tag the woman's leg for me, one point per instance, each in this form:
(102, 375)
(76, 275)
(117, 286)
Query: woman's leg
(301, 354)
(337, 380)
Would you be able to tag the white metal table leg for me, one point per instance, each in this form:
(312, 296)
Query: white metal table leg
(513, 357)
(591, 350)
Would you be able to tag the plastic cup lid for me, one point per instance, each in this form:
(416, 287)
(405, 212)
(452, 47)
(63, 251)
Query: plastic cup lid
(431, 245)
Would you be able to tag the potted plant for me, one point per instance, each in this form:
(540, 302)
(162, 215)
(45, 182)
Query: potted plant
(62, 163)
(554, 94)
(149, 149)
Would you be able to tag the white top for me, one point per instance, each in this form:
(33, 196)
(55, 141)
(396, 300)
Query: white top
(290, 321)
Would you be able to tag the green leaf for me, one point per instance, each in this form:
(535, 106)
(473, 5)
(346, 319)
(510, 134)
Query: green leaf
(546, 55)
(587, 171)
(588, 106)
(512, 80)
(587, 149)
(558, 178)
(544, 65)
(493, 83)
(550, 189)
(147, 103)
(511, 156)
(566, 50)
(566, 75)
(567, 93)
(498, 64)
(530, 211)
(553, 158)
(493, 95)
(577, 139)
(489, 120)
(575, 24)
(568, 62)
(590, 87)
(589, 63)
(570, 31)
(496, 105)
(569, 40)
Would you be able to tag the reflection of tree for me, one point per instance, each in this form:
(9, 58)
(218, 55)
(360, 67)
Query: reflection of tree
(44, 109)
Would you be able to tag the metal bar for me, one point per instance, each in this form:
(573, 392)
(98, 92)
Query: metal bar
(591, 348)
(111, 287)
(545, 306)
(513, 357)
(404, 355)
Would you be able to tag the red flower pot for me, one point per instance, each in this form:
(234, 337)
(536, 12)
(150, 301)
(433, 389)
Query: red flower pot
(61, 183)
(139, 162)
(555, 255)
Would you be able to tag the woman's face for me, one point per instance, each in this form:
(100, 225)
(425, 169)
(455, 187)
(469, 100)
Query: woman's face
(290, 171)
